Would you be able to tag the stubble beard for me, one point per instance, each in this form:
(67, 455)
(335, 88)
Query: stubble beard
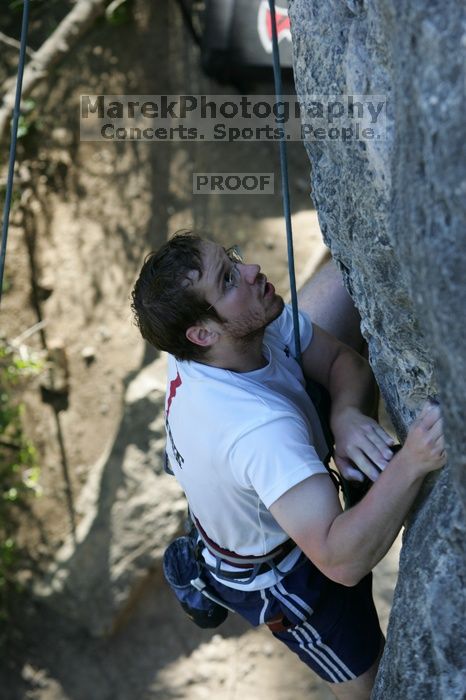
(248, 329)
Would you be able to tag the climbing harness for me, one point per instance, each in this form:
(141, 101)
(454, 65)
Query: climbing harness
(250, 565)
(14, 138)
(183, 560)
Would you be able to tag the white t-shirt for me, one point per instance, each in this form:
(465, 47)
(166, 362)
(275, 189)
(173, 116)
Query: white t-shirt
(236, 442)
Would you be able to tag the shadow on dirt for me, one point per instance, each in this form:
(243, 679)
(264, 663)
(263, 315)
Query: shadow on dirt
(47, 650)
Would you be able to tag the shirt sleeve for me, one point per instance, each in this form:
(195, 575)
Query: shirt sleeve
(274, 457)
(283, 329)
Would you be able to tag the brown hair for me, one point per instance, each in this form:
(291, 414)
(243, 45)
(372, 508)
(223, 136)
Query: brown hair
(164, 306)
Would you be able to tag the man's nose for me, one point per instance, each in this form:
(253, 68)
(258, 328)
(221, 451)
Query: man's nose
(250, 272)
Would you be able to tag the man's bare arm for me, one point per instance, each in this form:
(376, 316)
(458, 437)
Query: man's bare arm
(349, 379)
(345, 546)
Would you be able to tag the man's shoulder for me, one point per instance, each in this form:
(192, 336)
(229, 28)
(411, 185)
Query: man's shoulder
(207, 382)
(281, 330)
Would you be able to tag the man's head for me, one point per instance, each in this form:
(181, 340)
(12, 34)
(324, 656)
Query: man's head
(193, 295)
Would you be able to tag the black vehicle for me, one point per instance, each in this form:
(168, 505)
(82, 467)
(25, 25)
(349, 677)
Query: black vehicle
(235, 37)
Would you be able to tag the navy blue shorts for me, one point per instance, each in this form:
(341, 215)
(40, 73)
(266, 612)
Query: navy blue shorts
(334, 629)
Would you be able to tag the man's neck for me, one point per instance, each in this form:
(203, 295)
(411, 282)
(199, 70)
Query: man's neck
(239, 355)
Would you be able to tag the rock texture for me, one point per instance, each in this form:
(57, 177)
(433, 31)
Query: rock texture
(392, 210)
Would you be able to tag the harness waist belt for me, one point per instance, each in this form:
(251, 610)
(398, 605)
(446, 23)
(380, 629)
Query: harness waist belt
(265, 561)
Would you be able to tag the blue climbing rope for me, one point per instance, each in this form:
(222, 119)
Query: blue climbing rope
(14, 138)
(285, 186)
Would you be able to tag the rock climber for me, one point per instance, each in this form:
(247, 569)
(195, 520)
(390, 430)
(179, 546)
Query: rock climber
(246, 444)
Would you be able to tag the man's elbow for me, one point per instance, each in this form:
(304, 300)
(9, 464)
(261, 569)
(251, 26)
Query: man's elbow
(345, 574)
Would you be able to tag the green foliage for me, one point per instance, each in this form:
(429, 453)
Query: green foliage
(6, 283)
(27, 121)
(118, 12)
(19, 472)
(15, 5)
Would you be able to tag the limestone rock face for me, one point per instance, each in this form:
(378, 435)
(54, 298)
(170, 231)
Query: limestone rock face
(392, 210)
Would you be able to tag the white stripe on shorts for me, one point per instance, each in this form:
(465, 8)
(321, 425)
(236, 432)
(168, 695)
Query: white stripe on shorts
(294, 597)
(334, 673)
(348, 674)
(288, 603)
(321, 653)
(264, 607)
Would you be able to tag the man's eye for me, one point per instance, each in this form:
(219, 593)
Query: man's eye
(230, 278)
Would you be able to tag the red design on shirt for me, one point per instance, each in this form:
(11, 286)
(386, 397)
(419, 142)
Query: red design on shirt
(174, 385)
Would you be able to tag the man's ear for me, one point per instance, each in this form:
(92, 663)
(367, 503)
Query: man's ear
(201, 335)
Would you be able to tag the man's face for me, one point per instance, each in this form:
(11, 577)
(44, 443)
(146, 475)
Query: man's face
(240, 293)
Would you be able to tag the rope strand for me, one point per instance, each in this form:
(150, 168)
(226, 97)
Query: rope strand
(285, 186)
(14, 138)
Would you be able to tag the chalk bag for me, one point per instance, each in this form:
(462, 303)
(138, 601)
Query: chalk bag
(183, 574)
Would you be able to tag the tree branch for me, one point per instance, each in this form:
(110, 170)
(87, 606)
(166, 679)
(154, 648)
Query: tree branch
(9, 41)
(10, 445)
(53, 50)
